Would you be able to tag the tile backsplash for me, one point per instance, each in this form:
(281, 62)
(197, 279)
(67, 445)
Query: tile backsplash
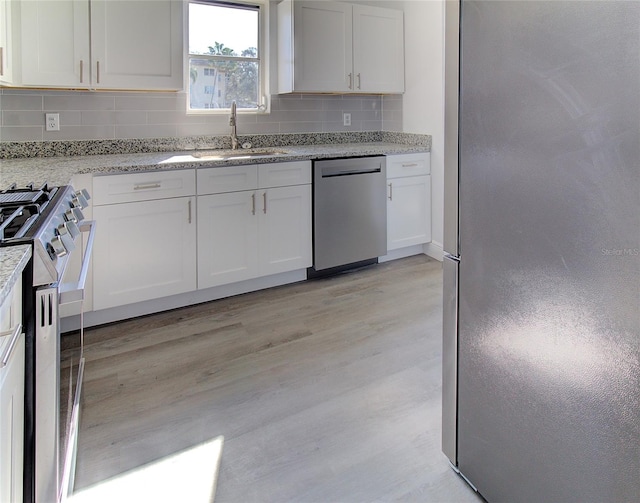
(86, 115)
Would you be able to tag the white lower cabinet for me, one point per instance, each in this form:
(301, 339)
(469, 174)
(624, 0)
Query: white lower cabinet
(285, 229)
(145, 245)
(408, 200)
(144, 250)
(257, 232)
(227, 238)
(11, 398)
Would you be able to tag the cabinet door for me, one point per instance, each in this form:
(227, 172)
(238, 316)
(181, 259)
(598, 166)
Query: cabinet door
(285, 229)
(143, 250)
(6, 43)
(55, 43)
(322, 46)
(12, 425)
(227, 238)
(408, 211)
(378, 49)
(137, 44)
(12, 401)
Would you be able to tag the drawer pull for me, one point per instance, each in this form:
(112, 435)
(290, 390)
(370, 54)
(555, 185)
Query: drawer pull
(15, 334)
(147, 186)
(264, 203)
(253, 203)
(409, 165)
(391, 192)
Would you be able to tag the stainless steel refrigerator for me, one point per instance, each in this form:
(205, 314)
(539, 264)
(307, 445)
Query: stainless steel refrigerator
(541, 369)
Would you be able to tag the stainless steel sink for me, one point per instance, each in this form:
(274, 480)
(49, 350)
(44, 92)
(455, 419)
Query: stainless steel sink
(221, 155)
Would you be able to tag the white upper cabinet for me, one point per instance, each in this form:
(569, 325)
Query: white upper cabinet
(378, 49)
(315, 46)
(6, 43)
(328, 46)
(102, 44)
(137, 44)
(55, 43)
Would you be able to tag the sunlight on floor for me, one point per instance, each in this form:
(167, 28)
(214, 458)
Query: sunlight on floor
(189, 475)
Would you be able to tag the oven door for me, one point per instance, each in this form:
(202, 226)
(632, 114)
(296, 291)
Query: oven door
(57, 414)
(73, 374)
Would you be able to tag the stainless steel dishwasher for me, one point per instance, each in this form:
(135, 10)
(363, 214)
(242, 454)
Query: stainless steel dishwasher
(349, 211)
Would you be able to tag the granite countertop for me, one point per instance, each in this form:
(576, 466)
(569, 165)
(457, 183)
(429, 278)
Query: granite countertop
(60, 170)
(13, 260)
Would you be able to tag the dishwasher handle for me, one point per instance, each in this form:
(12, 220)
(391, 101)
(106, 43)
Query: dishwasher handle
(328, 172)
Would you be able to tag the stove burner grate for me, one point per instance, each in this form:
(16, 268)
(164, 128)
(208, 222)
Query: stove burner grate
(20, 198)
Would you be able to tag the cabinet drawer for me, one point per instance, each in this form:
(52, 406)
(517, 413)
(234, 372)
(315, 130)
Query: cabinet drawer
(227, 179)
(282, 174)
(132, 187)
(408, 164)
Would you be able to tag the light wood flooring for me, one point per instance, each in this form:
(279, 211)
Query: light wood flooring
(325, 391)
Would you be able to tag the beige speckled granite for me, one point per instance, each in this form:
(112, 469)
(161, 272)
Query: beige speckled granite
(17, 150)
(13, 259)
(59, 170)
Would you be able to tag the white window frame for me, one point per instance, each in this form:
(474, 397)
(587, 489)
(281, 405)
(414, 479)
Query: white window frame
(263, 51)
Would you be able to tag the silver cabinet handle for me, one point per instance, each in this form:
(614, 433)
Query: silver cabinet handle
(350, 81)
(391, 192)
(81, 71)
(358, 81)
(97, 72)
(189, 211)
(6, 354)
(147, 186)
(1, 60)
(264, 203)
(253, 203)
(409, 165)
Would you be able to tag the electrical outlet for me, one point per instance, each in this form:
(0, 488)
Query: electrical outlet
(346, 119)
(52, 122)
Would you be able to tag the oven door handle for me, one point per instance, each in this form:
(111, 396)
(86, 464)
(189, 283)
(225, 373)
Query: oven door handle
(70, 293)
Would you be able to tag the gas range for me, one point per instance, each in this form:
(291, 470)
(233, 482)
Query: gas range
(49, 219)
(46, 217)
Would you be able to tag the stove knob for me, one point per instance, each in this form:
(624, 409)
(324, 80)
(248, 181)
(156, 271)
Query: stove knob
(85, 193)
(58, 246)
(72, 228)
(73, 215)
(79, 200)
(65, 236)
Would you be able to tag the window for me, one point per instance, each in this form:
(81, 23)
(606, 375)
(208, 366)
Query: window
(226, 60)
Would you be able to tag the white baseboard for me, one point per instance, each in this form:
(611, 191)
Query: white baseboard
(402, 253)
(434, 250)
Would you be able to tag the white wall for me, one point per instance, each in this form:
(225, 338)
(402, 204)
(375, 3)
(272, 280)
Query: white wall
(423, 101)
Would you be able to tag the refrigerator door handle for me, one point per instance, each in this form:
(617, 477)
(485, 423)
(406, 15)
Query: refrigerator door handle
(450, 358)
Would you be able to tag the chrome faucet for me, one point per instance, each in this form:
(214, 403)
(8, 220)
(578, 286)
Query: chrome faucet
(233, 119)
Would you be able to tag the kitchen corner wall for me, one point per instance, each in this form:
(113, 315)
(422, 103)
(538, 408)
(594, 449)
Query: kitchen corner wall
(423, 100)
(86, 115)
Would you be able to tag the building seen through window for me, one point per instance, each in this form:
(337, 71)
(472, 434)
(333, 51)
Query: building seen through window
(224, 55)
